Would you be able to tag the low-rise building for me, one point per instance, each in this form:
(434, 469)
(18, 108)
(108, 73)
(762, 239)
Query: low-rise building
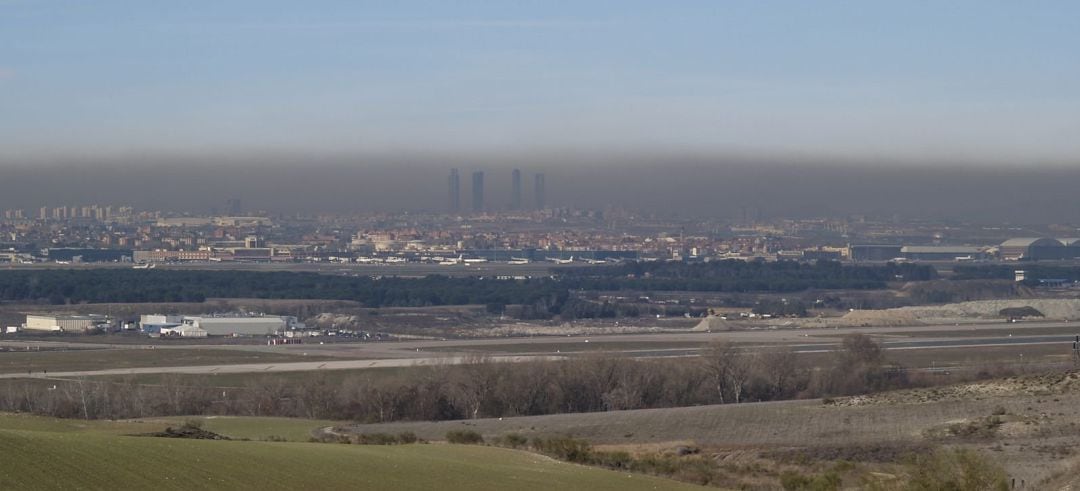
(183, 331)
(64, 322)
(220, 325)
(942, 253)
(1032, 249)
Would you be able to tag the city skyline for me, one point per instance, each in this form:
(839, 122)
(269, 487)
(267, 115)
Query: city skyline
(455, 191)
(479, 203)
(515, 192)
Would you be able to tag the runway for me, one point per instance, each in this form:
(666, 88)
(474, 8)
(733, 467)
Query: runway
(427, 353)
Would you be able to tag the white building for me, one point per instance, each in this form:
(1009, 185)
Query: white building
(160, 319)
(243, 326)
(184, 331)
(64, 323)
(223, 325)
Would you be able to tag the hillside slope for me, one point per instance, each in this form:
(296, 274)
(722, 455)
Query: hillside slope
(43, 458)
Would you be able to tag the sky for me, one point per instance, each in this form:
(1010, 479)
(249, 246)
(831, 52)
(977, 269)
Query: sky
(991, 83)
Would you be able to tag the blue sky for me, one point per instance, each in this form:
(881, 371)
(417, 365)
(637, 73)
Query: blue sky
(979, 81)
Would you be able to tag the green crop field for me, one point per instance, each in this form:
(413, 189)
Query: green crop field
(42, 453)
(253, 428)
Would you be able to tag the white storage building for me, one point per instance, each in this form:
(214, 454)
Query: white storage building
(64, 323)
(243, 326)
(184, 331)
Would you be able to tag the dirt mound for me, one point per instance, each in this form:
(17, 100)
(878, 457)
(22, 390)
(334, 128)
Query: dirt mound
(888, 317)
(712, 324)
(335, 321)
(189, 432)
(524, 329)
(1031, 385)
(1051, 309)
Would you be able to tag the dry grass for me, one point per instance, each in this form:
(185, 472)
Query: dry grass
(1029, 424)
(79, 360)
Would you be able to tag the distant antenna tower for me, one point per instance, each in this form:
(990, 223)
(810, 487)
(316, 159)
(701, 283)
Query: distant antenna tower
(1076, 351)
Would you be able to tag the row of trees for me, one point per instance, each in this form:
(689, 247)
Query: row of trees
(482, 388)
(1033, 272)
(737, 275)
(160, 285)
(535, 298)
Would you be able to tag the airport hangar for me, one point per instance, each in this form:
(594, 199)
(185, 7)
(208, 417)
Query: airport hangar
(1039, 248)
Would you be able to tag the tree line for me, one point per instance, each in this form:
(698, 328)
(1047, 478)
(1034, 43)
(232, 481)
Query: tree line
(539, 297)
(724, 374)
(1033, 272)
(734, 275)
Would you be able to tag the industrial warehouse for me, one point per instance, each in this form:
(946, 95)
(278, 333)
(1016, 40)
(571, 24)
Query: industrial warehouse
(1015, 249)
(218, 325)
(64, 323)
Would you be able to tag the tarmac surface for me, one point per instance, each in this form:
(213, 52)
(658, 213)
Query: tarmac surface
(364, 355)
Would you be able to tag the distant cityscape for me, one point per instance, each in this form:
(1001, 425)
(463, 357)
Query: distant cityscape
(514, 233)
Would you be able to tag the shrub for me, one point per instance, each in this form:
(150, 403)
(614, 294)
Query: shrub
(376, 439)
(407, 437)
(791, 480)
(466, 437)
(697, 470)
(959, 468)
(977, 429)
(192, 424)
(565, 448)
(512, 440)
(614, 460)
(663, 465)
(1020, 312)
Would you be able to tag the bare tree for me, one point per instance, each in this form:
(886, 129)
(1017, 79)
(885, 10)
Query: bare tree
(779, 368)
(477, 380)
(860, 349)
(729, 369)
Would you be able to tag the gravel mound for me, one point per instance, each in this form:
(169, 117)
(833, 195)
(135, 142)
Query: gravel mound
(1052, 309)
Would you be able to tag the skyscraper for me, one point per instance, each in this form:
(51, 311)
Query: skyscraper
(539, 190)
(478, 191)
(515, 202)
(454, 203)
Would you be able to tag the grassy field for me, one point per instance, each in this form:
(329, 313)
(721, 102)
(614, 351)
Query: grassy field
(74, 360)
(773, 423)
(237, 428)
(251, 428)
(41, 453)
